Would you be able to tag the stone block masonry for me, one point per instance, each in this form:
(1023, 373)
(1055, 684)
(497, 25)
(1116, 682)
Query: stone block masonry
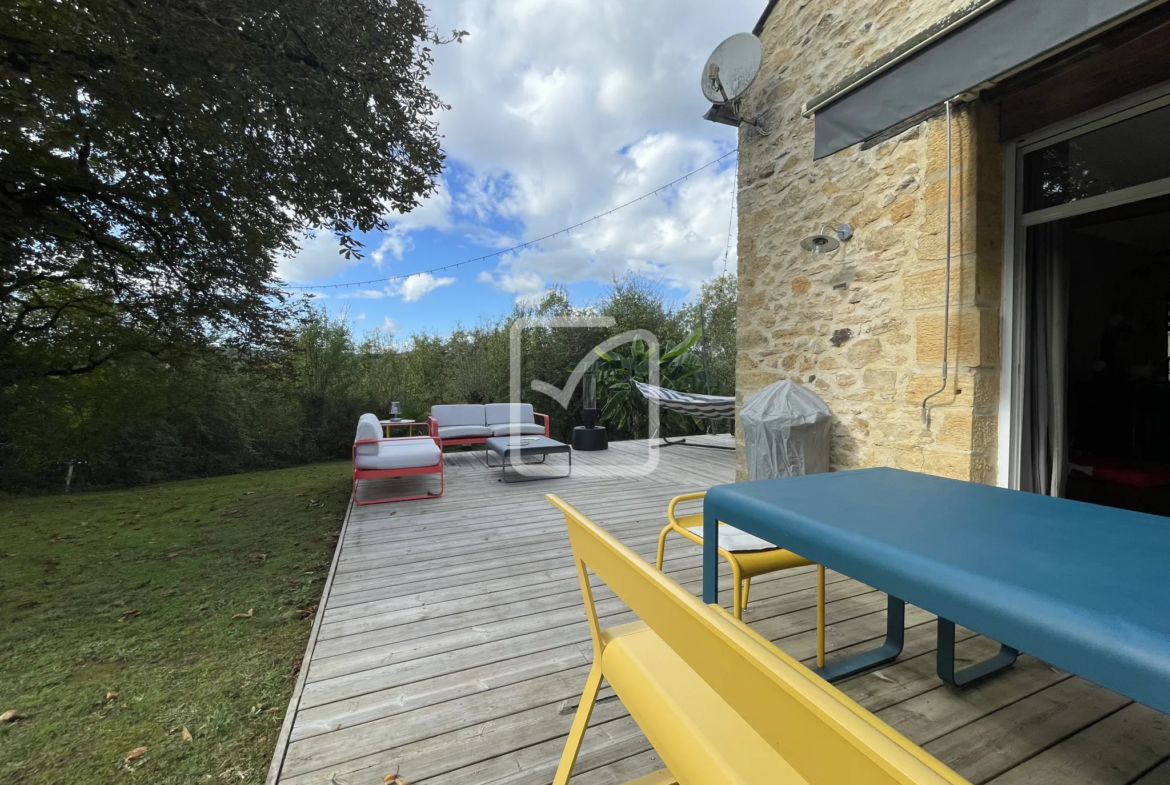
(863, 326)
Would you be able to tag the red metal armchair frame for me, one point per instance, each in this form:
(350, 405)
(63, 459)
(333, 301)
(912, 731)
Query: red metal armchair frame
(377, 474)
(434, 432)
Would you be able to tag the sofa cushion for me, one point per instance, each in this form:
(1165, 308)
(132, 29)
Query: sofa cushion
(464, 431)
(458, 414)
(402, 454)
(498, 413)
(518, 429)
(368, 428)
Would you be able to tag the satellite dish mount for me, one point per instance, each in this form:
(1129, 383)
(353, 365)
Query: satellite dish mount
(727, 75)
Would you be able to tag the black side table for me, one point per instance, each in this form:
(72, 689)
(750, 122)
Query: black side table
(590, 439)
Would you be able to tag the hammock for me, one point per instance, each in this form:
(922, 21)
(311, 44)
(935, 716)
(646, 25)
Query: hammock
(706, 407)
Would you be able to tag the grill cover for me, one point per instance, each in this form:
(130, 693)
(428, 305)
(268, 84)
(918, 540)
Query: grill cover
(786, 429)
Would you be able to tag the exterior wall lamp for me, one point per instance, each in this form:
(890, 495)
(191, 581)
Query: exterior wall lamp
(823, 242)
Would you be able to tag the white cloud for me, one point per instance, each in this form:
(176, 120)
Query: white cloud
(419, 285)
(411, 288)
(395, 241)
(432, 213)
(387, 326)
(678, 236)
(317, 259)
(525, 282)
(530, 299)
(563, 109)
(361, 317)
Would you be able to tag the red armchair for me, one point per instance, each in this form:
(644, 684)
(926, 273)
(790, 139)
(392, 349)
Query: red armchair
(375, 457)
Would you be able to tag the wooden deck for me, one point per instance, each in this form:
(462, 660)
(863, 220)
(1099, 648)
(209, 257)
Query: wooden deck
(453, 646)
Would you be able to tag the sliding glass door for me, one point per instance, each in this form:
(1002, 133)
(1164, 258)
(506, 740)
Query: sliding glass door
(1116, 156)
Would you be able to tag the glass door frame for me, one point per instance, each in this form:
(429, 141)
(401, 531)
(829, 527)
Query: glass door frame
(1016, 223)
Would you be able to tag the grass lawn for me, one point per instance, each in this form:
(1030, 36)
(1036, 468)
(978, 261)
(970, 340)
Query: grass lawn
(119, 624)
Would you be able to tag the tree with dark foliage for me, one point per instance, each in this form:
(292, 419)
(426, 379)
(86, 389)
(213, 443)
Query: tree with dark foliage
(157, 157)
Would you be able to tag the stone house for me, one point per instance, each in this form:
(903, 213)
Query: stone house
(853, 102)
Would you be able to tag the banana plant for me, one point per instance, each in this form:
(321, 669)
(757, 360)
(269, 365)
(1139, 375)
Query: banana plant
(622, 407)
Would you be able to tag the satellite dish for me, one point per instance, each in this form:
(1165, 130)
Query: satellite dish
(731, 68)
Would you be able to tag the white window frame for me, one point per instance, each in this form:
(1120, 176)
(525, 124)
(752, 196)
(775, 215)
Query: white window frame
(1013, 298)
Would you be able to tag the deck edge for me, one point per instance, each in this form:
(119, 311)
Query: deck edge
(282, 741)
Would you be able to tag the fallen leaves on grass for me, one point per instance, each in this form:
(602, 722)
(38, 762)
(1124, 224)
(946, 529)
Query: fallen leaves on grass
(110, 696)
(315, 503)
(298, 661)
(307, 613)
(247, 615)
(135, 754)
(187, 735)
(12, 715)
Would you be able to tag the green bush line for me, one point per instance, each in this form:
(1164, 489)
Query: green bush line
(141, 420)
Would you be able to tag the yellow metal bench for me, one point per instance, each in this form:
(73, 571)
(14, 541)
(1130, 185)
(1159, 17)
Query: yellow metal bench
(745, 565)
(717, 701)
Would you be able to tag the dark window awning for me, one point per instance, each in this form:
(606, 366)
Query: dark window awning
(985, 42)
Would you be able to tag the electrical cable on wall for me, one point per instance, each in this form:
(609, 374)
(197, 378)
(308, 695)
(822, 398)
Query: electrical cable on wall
(947, 288)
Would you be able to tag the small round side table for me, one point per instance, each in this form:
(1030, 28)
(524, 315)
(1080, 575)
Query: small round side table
(590, 439)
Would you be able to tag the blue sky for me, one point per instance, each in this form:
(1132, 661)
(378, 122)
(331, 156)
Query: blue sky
(561, 110)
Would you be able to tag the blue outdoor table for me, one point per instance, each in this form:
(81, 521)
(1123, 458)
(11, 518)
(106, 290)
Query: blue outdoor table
(1083, 587)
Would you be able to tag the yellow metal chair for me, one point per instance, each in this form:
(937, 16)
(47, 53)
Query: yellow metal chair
(745, 565)
(717, 701)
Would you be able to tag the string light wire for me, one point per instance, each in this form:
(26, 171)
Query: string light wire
(523, 245)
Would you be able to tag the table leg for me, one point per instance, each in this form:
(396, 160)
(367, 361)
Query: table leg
(972, 673)
(504, 470)
(887, 652)
(710, 557)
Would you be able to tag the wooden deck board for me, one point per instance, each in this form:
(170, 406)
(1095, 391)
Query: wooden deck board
(452, 647)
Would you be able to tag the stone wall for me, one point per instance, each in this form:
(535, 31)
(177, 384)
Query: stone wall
(863, 326)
